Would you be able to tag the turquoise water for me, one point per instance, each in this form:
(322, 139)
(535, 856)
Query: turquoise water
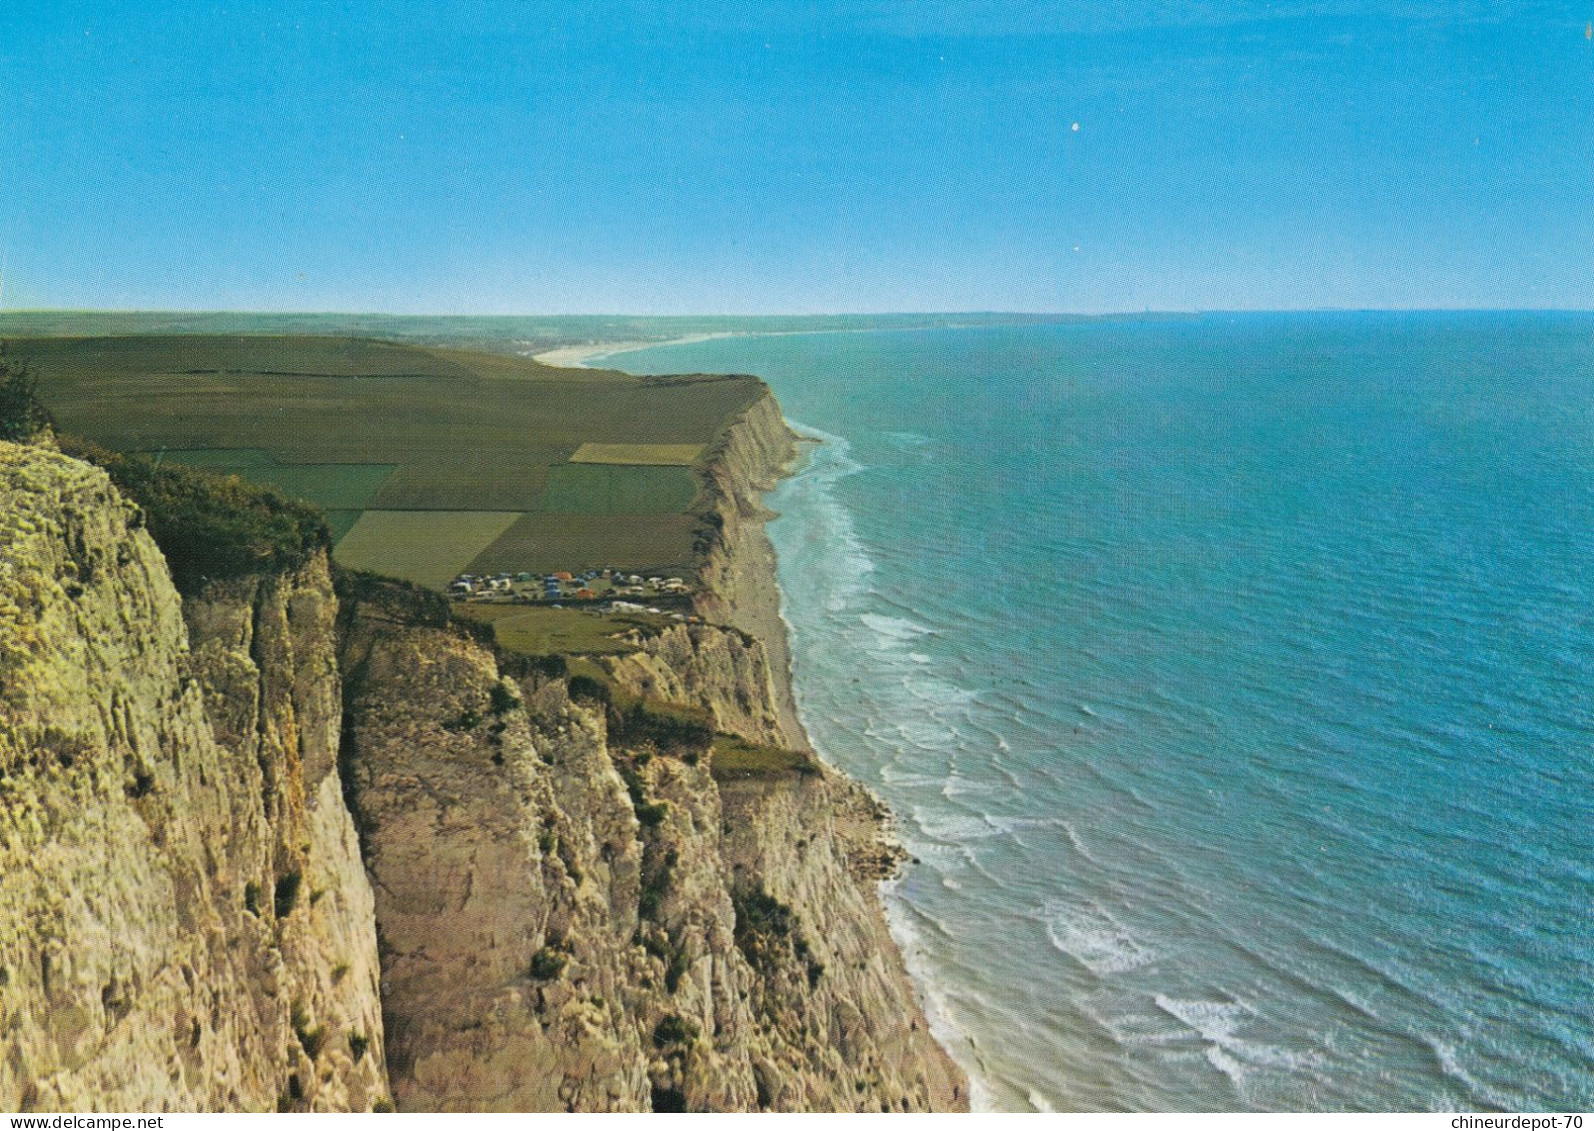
(1231, 679)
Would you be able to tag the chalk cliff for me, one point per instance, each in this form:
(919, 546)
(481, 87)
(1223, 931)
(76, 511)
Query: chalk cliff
(184, 918)
(265, 848)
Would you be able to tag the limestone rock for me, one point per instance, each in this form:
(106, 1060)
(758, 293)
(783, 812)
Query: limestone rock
(144, 964)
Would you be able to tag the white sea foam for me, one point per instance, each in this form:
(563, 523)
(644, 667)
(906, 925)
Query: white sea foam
(1078, 843)
(1096, 939)
(952, 828)
(1132, 1019)
(1214, 1020)
(902, 918)
(958, 786)
(1450, 1062)
(1238, 1058)
(895, 629)
(830, 557)
(907, 779)
(924, 733)
(937, 692)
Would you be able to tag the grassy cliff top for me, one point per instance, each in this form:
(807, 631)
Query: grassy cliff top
(210, 527)
(428, 461)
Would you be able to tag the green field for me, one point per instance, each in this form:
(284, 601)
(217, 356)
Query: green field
(546, 631)
(331, 486)
(574, 488)
(640, 543)
(365, 429)
(664, 455)
(426, 547)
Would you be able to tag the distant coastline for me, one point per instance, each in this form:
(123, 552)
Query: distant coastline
(761, 609)
(576, 357)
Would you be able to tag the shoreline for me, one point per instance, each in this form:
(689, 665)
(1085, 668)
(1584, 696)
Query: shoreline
(768, 622)
(758, 607)
(761, 612)
(576, 357)
(932, 996)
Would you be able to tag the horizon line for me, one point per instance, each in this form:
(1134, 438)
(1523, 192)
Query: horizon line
(985, 313)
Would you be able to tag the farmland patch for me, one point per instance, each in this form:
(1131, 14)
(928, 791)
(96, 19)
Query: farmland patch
(330, 486)
(457, 479)
(541, 543)
(601, 489)
(426, 547)
(665, 455)
(603, 460)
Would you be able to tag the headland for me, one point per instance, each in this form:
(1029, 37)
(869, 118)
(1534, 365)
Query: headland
(605, 880)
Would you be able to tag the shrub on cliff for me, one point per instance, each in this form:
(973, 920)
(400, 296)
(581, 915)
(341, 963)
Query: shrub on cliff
(403, 601)
(210, 526)
(764, 926)
(734, 758)
(670, 728)
(22, 416)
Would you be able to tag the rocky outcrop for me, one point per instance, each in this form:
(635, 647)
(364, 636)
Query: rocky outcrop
(183, 921)
(574, 919)
(264, 849)
(724, 673)
(574, 923)
(737, 577)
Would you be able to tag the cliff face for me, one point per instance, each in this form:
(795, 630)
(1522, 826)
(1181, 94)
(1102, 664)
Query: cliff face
(156, 803)
(720, 671)
(737, 578)
(572, 922)
(258, 851)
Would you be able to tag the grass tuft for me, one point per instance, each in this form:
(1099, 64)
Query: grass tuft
(736, 758)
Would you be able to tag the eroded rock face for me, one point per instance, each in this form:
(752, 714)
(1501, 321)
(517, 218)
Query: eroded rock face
(506, 898)
(143, 960)
(724, 673)
(211, 811)
(571, 925)
(737, 578)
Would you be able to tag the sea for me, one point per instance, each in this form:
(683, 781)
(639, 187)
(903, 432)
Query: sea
(1230, 678)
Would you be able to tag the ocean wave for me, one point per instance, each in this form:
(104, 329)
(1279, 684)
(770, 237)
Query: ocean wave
(938, 693)
(956, 785)
(1132, 1019)
(1478, 1092)
(819, 541)
(1095, 939)
(953, 828)
(924, 734)
(894, 629)
(1240, 1059)
(905, 921)
(1078, 844)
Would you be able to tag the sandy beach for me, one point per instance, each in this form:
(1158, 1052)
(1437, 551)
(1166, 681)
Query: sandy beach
(575, 357)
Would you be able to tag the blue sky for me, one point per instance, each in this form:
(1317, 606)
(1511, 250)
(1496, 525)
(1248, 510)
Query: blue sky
(523, 156)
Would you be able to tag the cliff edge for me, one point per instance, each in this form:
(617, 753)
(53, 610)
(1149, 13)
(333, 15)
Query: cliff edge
(281, 847)
(184, 919)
